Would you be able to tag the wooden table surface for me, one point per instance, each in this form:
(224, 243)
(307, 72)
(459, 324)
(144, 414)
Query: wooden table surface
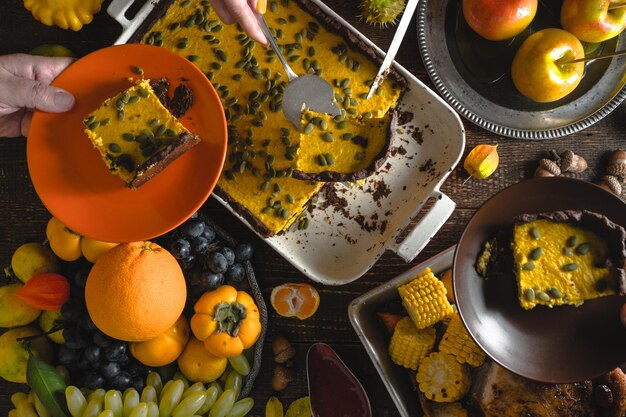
(23, 217)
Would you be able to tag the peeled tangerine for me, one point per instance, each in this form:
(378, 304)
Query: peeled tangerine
(295, 300)
(482, 161)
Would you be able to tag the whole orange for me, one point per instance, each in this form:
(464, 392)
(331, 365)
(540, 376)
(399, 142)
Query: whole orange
(135, 291)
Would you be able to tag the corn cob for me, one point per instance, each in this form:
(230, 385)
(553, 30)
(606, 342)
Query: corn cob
(424, 298)
(457, 342)
(409, 345)
(442, 379)
(454, 409)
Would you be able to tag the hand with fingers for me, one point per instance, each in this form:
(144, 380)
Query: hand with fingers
(242, 12)
(25, 86)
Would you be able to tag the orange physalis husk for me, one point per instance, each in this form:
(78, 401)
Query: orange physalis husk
(47, 291)
(482, 161)
(389, 320)
(295, 300)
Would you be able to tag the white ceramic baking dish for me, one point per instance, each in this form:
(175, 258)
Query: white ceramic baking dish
(340, 245)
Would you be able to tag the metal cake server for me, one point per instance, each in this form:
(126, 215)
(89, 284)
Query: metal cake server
(395, 45)
(304, 91)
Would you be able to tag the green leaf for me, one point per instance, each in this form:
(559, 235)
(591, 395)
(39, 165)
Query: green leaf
(274, 408)
(299, 408)
(48, 384)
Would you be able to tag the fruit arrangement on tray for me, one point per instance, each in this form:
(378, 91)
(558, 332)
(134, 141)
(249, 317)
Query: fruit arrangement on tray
(169, 327)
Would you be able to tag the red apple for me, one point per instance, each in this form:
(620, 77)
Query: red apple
(540, 68)
(591, 20)
(498, 20)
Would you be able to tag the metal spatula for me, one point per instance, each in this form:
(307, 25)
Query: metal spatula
(304, 91)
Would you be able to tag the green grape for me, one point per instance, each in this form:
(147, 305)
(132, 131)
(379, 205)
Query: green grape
(153, 409)
(234, 382)
(222, 379)
(167, 385)
(113, 402)
(240, 364)
(171, 397)
(215, 384)
(106, 413)
(130, 401)
(39, 407)
(188, 406)
(223, 404)
(180, 377)
(76, 402)
(211, 396)
(140, 411)
(99, 394)
(241, 407)
(94, 407)
(197, 387)
(148, 394)
(154, 379)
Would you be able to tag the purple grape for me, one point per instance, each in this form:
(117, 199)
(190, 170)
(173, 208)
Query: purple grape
(212, 280)
(180, 248)
(228, 253)
(243, 252)
(217, 262)
(110, 369)
(192, 228)
(236, 273)
(209, 233)
(199, 245)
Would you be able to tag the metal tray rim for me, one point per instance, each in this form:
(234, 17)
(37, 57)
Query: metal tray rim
(500, 129)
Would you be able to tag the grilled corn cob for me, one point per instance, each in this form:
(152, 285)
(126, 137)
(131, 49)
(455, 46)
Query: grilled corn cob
(442, 379)
(424, 298)
(457, 342)
(409, 345)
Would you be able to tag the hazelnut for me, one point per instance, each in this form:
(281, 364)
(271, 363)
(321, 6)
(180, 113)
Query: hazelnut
(282, 349)
(617, 164)
(570, 162)
(611, 183)
(547, 168)
(281, 378)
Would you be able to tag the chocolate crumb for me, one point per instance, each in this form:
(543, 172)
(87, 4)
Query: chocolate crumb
(182, 100)
(417, 135)
(404, 117)
(381, 191)
(427, 166)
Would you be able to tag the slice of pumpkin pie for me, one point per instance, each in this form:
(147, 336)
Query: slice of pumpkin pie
(567, 257)
(136, 135)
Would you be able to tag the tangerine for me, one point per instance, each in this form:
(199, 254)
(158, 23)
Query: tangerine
(199, 365)
(295, 300)
(135, 291)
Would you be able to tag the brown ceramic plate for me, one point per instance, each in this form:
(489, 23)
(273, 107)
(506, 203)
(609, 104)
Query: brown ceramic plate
(558, 345)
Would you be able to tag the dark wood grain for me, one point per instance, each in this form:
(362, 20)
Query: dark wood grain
(23, 217)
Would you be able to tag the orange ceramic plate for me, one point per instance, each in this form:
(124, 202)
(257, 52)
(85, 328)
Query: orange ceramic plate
(73, 181)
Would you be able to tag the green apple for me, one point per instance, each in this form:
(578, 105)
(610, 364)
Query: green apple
(540, 68)
(498, 20)
(591, 20)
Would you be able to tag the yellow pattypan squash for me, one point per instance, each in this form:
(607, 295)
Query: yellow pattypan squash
(66, 14)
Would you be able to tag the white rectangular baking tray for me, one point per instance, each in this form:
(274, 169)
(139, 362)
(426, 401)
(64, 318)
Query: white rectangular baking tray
(342, 244)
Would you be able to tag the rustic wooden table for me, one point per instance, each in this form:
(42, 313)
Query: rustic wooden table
(23, 217)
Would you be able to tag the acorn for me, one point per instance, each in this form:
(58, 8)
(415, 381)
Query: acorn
(617, 164)
(547, 168)
(570, 162)
(612, 184)
(282, 349)
(281, 377)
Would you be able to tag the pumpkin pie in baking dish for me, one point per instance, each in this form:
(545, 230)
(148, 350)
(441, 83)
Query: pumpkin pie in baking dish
(272, 171)
(567, 257)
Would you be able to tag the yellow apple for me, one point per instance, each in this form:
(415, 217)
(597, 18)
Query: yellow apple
(591, 20)
(540, 68)
(498, 20)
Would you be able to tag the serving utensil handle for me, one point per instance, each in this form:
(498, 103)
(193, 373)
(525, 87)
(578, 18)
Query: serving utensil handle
(426, 228)
(117, 9)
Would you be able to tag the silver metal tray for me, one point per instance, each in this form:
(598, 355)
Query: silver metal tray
(375, 339)
(465, 69)
(337, 247)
